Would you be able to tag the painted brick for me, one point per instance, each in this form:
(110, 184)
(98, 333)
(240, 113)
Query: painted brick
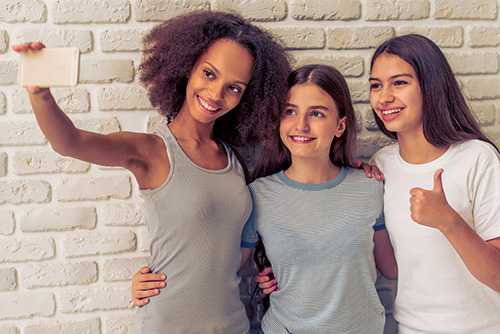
(98, 243)
(154, 121)
(122, 269)
(445, 37)
(161, 10)
(7, 329)
(4, 41)
(473, 63)
(326, 10)
(348, 66)
(484, 112)
(482, 88)
(465, 9)
(58, 274)
(82, 39)
(358, 38)
(3, 104)
(123, 98)
(20, 133)
(121, 40)
(3, 164)
(359, 90)
(27, 305)
(370, 143)
(8, 72)
(89, 326)
(384, 10)
(101, 125)
(129, 214)
(26, 163)
(256, 10)
(105, 71)
(70, 100)
(93, 188)
(484, 36)
(144, 240)
(24, 191)
(25, 249)
(121, 324)
(111, 297)
(8, 279)
(300, 38)
(8, 222)
(14, 11)
(58, 219)
(91, 11)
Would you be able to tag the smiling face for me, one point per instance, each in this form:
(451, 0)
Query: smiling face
(395, 94)
(218, 80)
(310, 122)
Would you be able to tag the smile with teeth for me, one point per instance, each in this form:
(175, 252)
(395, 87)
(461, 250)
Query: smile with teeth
(301, 139)
(391, 111)
(206, 105)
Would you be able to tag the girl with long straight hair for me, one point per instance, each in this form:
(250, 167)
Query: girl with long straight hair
(442, 193)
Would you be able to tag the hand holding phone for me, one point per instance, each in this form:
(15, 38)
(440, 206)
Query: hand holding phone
(47, 67)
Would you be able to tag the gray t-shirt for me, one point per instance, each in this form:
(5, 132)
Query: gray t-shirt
(319, 240)
(195, 220)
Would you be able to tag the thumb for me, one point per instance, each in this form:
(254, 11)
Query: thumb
(438, 183)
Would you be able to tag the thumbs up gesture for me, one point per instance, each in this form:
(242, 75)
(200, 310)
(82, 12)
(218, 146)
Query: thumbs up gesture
(430, 207)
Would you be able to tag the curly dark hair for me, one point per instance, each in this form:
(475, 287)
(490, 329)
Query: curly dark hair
(173, 47)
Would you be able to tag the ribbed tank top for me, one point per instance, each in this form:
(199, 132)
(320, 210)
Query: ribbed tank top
(195, 219)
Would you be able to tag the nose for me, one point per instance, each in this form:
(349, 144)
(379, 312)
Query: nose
(302, 123)
(217, 91)
(386, 95)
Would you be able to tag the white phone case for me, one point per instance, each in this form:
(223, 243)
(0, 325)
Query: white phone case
(49, 67)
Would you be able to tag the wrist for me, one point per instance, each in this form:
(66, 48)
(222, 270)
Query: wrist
(450, 222)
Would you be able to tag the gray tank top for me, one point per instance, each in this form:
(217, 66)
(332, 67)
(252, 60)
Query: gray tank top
(195, 219)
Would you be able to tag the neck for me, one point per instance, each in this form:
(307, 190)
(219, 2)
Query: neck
(312, 171)
(415, 149)
(184, 126)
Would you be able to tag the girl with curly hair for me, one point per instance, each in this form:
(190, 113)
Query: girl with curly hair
(222, 82)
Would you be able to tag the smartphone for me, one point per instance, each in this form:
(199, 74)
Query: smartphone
(49, 67)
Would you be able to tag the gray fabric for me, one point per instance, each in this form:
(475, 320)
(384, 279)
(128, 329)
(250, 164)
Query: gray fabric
(195, 220)
(319, 239)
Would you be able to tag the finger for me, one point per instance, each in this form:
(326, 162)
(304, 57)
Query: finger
(262, 279)
(265, 271)
(268, 291)
(147, 293)
(416, 191)
(151, 285)
(438, 182)
(145, 270)
(266, 285)
(152, 277)
(37, 45)
(140, 302)
(357, 163)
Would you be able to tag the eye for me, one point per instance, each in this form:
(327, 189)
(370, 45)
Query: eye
(375, 85)
(317, 114)
(235, 89)
(208, 74)
(400, 82)
(289, 112)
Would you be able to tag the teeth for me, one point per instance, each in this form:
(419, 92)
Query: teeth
(300, 138)
(206, 105)
(391, 111)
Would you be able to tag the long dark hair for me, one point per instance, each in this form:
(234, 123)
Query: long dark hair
(274, 154)
(447, 119)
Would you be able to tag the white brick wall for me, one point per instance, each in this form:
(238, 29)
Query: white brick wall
(72, 234)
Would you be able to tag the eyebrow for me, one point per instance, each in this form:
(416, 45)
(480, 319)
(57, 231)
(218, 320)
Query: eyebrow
(218, 72)
(311, 107)
(393, 76)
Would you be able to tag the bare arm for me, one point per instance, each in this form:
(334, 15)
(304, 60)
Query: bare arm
(384, 254)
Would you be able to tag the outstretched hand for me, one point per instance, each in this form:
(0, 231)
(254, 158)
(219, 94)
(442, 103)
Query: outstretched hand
(27, 47)
(430, 207)
(267, 282)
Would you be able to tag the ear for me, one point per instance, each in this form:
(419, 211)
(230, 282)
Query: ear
(341, 125)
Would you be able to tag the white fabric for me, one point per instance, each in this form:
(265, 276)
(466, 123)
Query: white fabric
(436, 291)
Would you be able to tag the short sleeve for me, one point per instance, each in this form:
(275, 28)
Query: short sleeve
(379, 223)
(486, 195)
(249, 235)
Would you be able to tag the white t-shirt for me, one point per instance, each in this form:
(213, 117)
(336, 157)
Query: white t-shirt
(436, 291)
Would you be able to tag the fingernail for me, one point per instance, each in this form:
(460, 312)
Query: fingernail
(162, 284)
(163, 276)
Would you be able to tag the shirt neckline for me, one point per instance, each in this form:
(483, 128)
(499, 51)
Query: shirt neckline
(314, 186)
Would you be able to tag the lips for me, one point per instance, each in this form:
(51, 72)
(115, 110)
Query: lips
(207, 106)
(301, 139)
(388, 115)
